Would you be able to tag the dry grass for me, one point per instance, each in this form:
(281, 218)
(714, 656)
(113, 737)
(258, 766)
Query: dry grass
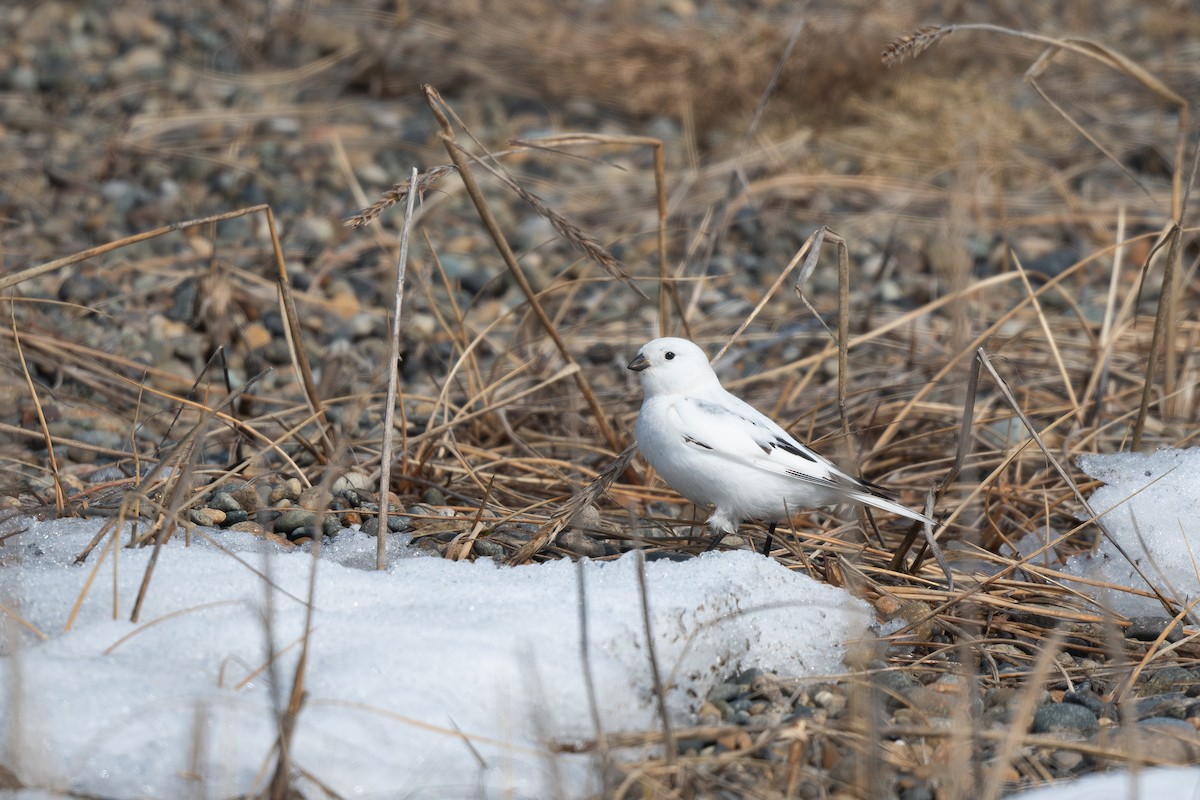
(1094, 356)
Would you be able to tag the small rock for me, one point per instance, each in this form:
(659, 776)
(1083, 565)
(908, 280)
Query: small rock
(353, 479)
(487, 548)
(288, 490)
(304, 533)
(248, 498)
(832, 703)
(224, 501)
(251, 527)
(207, 517)
(579, 543)
(1093, 702)
(588, 518)
(142, 63)
(517, 533)
(295, 518)
(722, 707)
(314, 498)
(1064, 718)
(1164, 740)
(1168, 679)
(317, 230)
(1167, 704)
(732, 541)
(399, 523)
(708, 714)
(896, 685)
(725, 691)
(1067, 761)
(1149, 628)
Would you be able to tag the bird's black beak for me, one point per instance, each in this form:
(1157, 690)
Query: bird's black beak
(639, 363)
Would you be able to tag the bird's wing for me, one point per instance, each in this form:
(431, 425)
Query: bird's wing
(730, 427)
(737, 430)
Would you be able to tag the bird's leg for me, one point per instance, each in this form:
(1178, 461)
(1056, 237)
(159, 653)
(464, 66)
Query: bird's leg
(716, 540)
(766, 551)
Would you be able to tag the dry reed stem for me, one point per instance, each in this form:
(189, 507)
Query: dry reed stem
(111, 547)
(281, 780)
(59, 496)
(1162, 318)
(392, 374)
(167, 519)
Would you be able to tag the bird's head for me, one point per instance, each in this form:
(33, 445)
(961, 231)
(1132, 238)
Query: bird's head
(671, 366)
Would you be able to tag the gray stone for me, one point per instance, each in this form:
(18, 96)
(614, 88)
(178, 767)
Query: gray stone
(1168, 679)
(1149, 628)
(579, 543)
(353, 479)
(225, 502)
(208, 517)
(1166, 704)
(486, 548)
(295, 518)
(725, 691)
(248, 498)
(1064, 718)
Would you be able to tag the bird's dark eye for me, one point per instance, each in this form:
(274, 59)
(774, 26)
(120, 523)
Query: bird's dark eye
(670, 355)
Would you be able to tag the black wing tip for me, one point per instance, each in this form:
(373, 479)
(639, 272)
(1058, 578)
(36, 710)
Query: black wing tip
(788, 447)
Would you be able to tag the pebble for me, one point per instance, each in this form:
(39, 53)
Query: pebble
(294, 518)
(489, 548)
(1149, 628)
(248, 498)
(1102, 708)
(207, 517)
(397, 523)
(223, 501)
(352, 480)
(1064, 718)
(1169, 679)
(1165, 740)
(1165, 704)
(287, 490)
(580, 544)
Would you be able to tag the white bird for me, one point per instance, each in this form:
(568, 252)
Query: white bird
(717, 450)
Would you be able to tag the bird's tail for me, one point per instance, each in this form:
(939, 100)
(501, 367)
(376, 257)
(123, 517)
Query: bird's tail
(869, 498)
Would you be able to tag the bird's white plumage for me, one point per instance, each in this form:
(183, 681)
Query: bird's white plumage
(717, 450)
